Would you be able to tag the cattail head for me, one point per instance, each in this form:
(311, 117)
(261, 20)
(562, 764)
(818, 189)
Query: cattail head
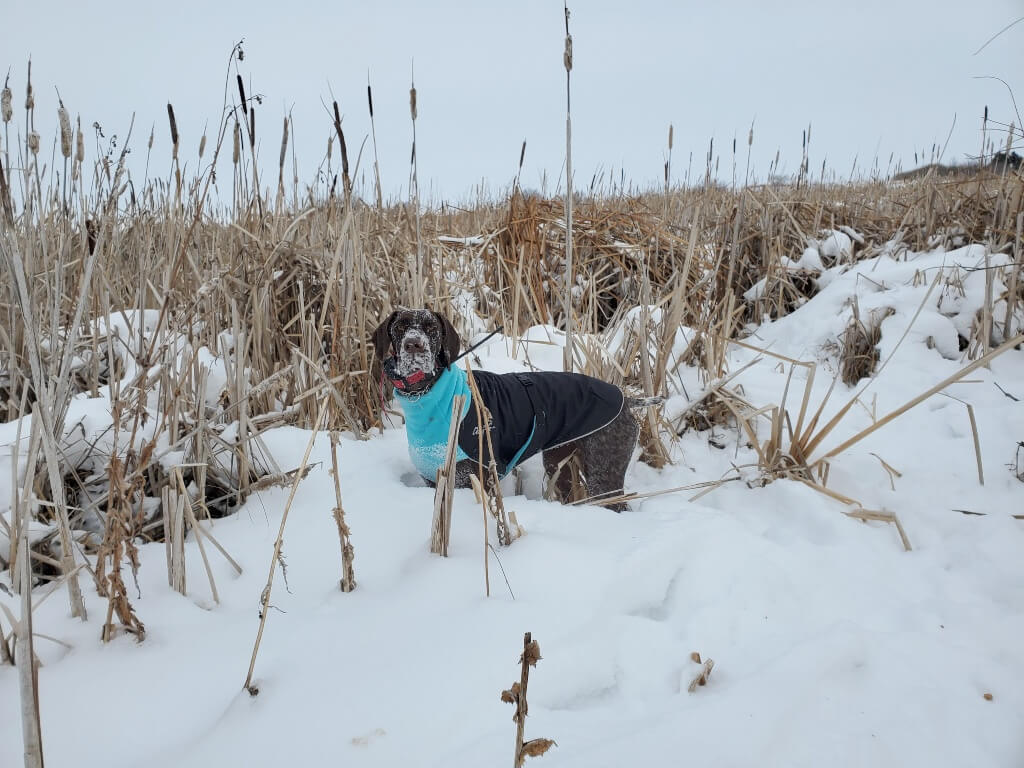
(152, 131)
(412, 102)
(236, 147)
(6, 110)
(750, 136)
(65, 131)
(567, 54)
(79, 142)
(369, 99)
(30, 98)
(670, 137)
(202, 146)
(33, 142)
(174, 130)
(330, 146)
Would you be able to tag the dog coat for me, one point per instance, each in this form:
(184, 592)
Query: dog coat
(530, 412)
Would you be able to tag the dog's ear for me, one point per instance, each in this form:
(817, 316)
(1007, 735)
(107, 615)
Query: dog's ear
(450, 343)
(381, 337)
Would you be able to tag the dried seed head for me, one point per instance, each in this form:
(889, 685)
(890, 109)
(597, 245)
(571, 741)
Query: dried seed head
(202, 146)
(65, 131)
(511, 696)
(33, 142)
(6, 109)
(236, 146)
(412, 102)
(695, 657)
(750, 136)
(670, 137)
(30, 97)
(531, 654)
(152, 131)
(79, 142)
(330, 146)
(535, 748)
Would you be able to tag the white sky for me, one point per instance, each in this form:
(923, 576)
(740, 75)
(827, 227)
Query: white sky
(873, 78)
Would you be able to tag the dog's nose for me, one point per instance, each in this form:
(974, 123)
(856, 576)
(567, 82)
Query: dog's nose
(413, 346)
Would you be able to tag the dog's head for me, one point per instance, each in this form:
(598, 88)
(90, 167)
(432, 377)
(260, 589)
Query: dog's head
(424, 343)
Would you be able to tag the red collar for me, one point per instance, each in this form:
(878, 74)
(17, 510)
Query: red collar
(403, 382)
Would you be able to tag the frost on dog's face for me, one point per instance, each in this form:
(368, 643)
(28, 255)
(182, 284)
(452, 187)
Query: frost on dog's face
(416, 336)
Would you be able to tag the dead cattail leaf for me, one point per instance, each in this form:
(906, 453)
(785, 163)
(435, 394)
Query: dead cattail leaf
(702, 678)
(511, 695)
(695, 657)
(535, 748)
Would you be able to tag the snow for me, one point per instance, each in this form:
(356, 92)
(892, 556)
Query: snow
(832, 645)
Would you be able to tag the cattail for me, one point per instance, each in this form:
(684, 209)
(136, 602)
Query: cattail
(252, 128)
(369, 99)
(30, 99)
(236, 147)
(33, 142)
(412, 102)
(670, 137)
(79, 142)
(750, 136)
(65, 131)
(567, 54)
(152, 131)
(330, 147)
(241, 94)
(6, 110)
(202, 146)
(174, 130)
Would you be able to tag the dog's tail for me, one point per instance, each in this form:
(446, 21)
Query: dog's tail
(644, 402)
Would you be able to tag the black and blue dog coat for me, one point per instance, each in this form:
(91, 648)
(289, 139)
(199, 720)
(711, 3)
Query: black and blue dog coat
(530, 412)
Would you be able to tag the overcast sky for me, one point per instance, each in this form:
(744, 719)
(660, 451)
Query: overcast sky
(872, 78)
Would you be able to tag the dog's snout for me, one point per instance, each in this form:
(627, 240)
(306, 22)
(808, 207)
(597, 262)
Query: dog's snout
(413, 345)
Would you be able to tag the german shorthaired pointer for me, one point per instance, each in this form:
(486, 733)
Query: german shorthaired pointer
(557, 413)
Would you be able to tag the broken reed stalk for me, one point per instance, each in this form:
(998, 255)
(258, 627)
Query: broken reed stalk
(28, 672)
(567, 354)
(883, 516)
(348, 575)
(279, 542)
(444, 487)
(517, 695)
(491, 487)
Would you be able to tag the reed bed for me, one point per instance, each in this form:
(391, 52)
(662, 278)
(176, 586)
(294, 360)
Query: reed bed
(207, 320)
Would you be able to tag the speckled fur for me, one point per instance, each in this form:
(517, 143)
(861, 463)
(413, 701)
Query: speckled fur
(604, 455)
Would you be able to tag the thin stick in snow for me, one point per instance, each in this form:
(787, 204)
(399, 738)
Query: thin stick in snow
(279, 542)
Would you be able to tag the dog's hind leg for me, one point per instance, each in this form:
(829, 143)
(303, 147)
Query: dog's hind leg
(606, 455)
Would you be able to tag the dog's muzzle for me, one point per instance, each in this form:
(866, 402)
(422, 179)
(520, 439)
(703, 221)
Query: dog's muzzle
(398, 381)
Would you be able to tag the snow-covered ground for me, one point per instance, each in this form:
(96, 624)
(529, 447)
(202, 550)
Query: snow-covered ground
(832, 645)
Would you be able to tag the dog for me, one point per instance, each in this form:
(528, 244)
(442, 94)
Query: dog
(557, 414)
